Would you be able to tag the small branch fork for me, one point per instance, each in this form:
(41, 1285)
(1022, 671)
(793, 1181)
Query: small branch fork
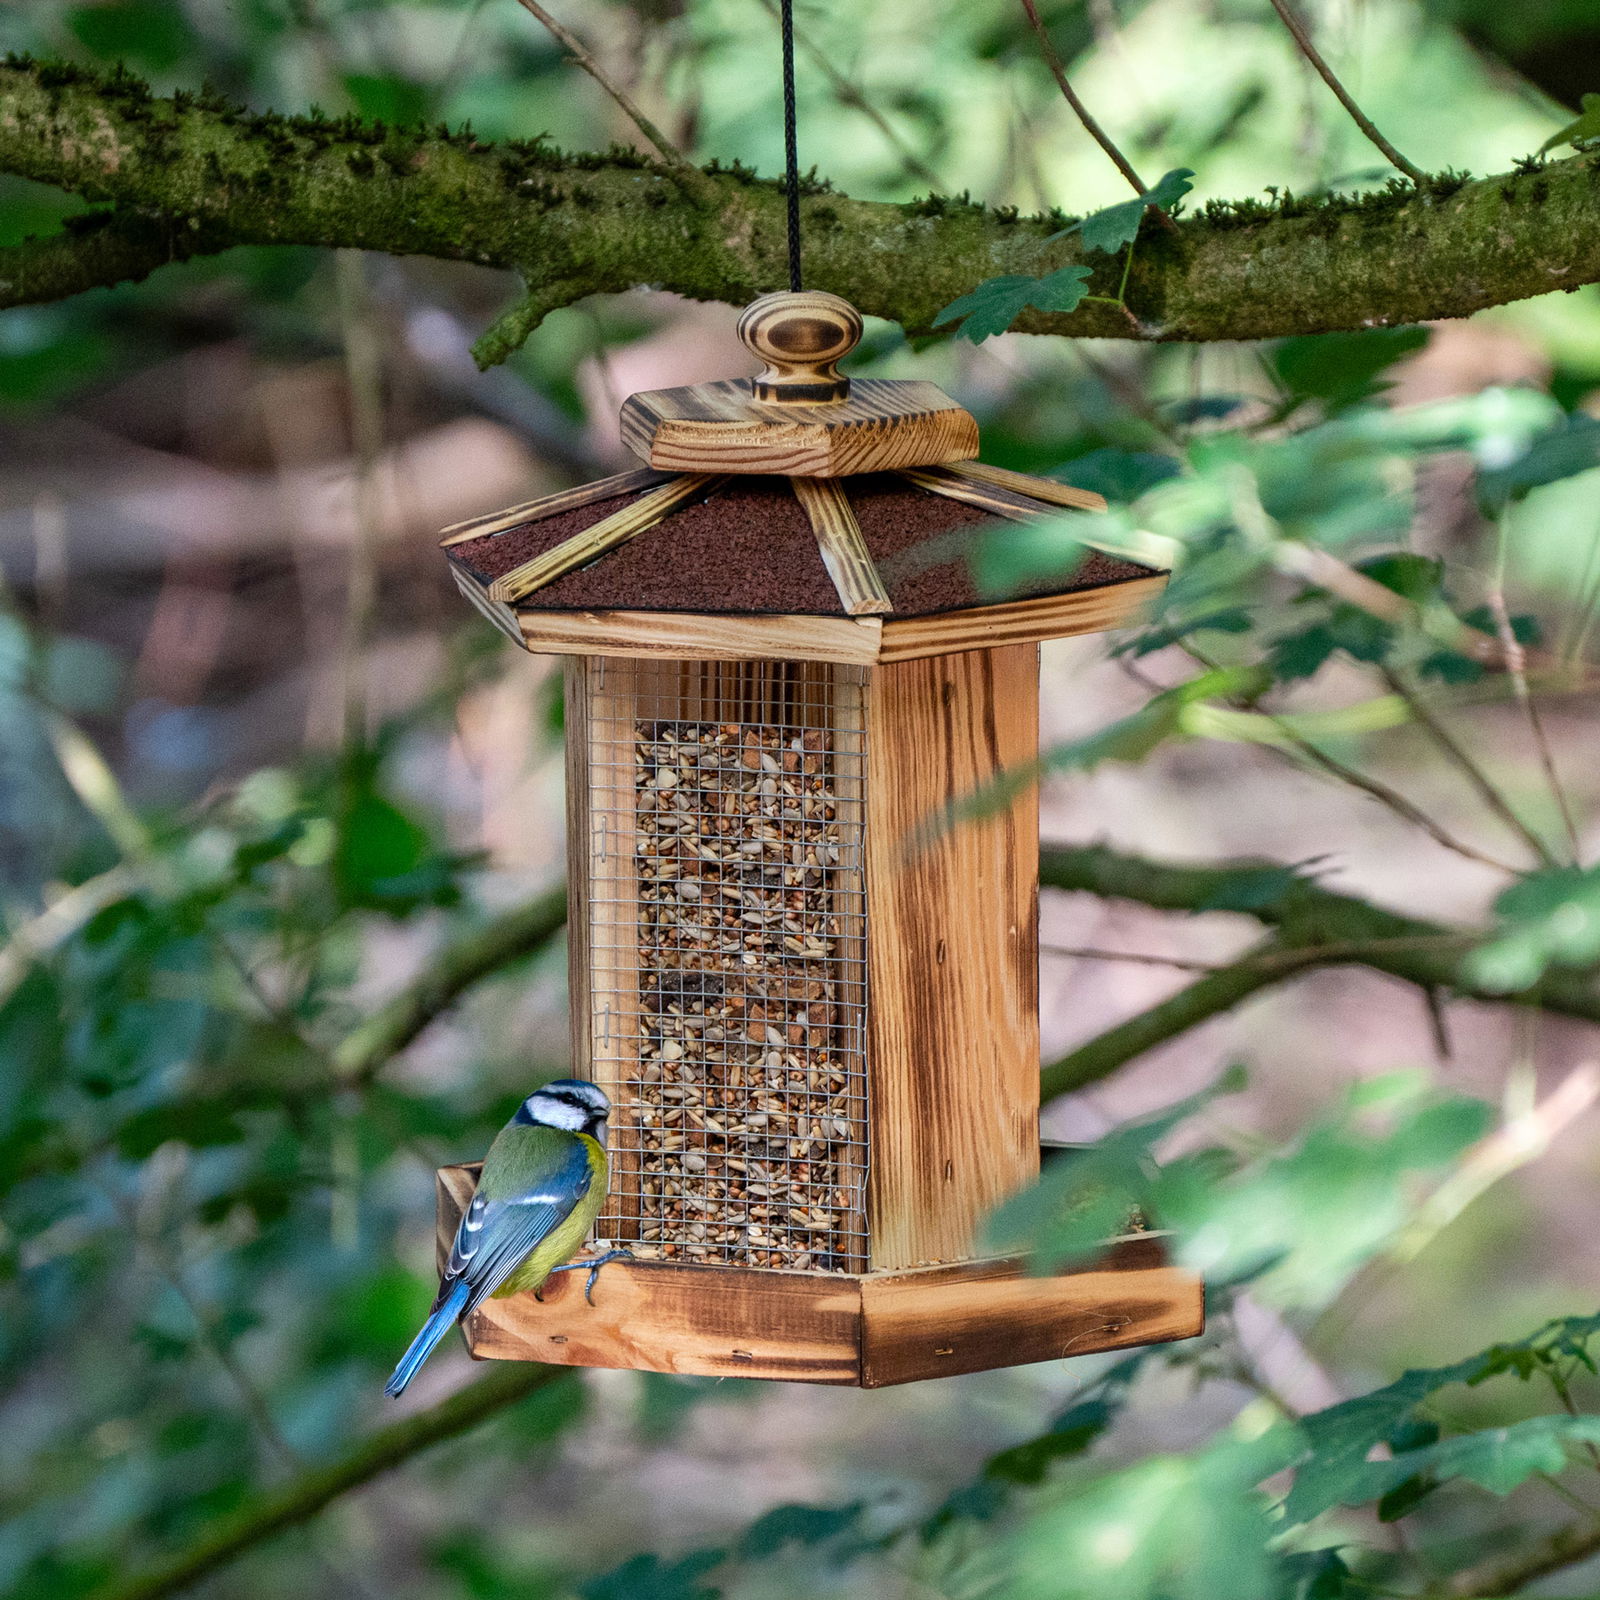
(1312, 927)
(1052, 59)
(574, 46)
(1302, 37)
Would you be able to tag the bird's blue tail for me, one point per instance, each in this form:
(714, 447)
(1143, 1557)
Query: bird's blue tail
(433, 1330)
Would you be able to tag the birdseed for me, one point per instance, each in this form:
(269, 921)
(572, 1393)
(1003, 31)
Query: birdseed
(741, 1135)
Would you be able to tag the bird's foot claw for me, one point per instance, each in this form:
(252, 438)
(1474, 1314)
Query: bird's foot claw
(594, 1265)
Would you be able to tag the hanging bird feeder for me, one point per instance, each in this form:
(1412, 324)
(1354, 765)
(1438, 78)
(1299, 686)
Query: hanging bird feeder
(806, 977)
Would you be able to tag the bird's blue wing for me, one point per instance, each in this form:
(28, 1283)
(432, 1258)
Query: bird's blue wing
(525, 1193)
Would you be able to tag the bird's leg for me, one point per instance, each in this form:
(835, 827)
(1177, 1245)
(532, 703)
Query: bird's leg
(594, 1267)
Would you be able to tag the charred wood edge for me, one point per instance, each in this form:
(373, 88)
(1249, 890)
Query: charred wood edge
(191, 174)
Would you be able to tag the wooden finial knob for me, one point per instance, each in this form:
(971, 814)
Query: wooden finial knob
(800, 335)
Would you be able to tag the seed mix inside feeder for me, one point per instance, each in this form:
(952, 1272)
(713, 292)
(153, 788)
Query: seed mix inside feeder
(815, 1014)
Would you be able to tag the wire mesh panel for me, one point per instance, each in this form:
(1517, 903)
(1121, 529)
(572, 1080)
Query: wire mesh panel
(724, 935)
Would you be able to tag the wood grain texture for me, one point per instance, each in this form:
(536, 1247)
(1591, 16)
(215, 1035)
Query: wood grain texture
(952, 935)
(842, 547)
(603, 936)
(1023, 483)
(938, 1323)
(500, 614)
(694, 634)
(548, 505)
(885, 424)
(801, 335)
(872, 1330)
(985, 496)
(1053, 616)
(607, 534)
(859, 640)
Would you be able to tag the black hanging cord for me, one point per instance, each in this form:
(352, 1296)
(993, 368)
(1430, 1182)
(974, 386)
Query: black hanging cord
(791, 151)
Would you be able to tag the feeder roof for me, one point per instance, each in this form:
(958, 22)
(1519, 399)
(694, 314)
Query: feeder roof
(747, 547)
(792, 514)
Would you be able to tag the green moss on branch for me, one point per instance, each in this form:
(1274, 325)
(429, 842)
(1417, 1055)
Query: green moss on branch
(577, 224)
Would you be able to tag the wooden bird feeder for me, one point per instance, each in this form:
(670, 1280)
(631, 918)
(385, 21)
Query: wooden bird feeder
(814, 1006)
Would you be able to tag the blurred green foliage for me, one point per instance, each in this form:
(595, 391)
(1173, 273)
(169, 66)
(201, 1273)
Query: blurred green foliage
(213, 1240)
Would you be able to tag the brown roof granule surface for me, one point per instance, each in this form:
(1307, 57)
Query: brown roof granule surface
(749, 548)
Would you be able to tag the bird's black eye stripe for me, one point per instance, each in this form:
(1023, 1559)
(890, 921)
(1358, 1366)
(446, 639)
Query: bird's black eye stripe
(577, 1102)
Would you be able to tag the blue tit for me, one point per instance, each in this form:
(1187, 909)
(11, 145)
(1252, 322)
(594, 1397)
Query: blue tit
(542, 1186)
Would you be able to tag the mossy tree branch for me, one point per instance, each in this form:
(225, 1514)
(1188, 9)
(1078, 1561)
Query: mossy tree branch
(583, 224)
(1314, 927)
(301, 1498)
(478, 955)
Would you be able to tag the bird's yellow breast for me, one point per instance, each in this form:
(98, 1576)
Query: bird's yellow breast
(563, 1240)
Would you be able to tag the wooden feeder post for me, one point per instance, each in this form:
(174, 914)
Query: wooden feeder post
(803, 960)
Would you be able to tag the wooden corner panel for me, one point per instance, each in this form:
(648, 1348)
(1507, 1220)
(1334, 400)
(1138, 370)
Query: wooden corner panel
(938, 1323)
(952, 869)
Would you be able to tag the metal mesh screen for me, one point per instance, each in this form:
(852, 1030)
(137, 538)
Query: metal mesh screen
(727, 958)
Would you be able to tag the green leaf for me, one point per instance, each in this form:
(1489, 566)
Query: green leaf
(1583, 128)
(1335, 1470)
(1164, 716)
(150, 33)
(1171, 1527)
(1319, 1575)
(1115, 226)
(1071, 1434)
(1570, 447)
(1342, 369)
(996, 303)
(1549, 918)
(806, 1526)
(1496, 1459)
(194, 1122)
(651, 1577)
(1120, 475)
(386, 98)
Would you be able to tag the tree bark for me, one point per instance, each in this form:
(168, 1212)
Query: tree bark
(192, 174)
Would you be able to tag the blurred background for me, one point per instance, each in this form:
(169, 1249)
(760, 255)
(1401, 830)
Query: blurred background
(261, 766)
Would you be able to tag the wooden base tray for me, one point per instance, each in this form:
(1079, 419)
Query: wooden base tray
(869, 1330)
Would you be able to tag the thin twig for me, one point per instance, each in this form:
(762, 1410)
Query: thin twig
(1517, 668)
(848, 94)
(1375, 788)
(1351, 950)
(1134, 957)
(665, 148)
(1396, 802)
(1309, 50)
(1310, 914)
(1469, 769)
(1508, 1575)
(171, 1273)
(1081, 111)
(270, 1513)
(488, 950)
